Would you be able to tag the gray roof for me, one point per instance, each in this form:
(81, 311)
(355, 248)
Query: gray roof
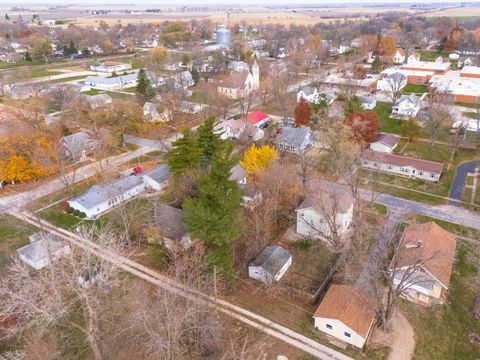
(98, 194)
(388, 139)
(238, 173)
(412, 98)
(44, 245)
(294, 136)
(160, 173)
(101, 80)
(368, 99)
(308, 90)
(76, 143)
(272, 259)
(326, 202)
(169, 220)
(98, 99)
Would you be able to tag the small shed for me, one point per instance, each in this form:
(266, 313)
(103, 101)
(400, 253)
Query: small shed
(157, 177)
(385, 142)
(238, 174)
(43, 249)
(270, 265)
(170, 223)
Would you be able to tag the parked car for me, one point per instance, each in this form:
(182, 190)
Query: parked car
(137, 170)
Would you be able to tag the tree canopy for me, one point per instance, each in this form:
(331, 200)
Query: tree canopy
(303, 113)
(364, 125)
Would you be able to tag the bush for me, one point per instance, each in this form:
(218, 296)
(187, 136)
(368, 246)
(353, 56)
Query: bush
(70, 210)
(82, 215)
(64, 206)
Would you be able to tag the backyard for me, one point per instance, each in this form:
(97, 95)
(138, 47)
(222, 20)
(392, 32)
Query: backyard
(14, 234)
(415, 89)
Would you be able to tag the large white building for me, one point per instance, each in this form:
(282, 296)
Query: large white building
(109, 67)
(241, 83)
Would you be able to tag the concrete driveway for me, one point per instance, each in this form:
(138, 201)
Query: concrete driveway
(459, 181)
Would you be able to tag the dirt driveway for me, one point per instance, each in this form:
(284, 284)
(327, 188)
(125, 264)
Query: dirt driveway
(400, 338)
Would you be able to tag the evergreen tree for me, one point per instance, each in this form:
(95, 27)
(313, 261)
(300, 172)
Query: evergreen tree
(214, 216)
(71, 48)
(209, 142)
(186, 59)
(352, 105)
(376, 64)
(195, 75)
(27, 56)
(7, 17)
(145, 90)
(184, 154)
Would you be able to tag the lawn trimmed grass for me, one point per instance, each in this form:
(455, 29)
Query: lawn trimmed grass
(387, 124)
(136, 62)
(442, 331)
(471, 114)
(132, 89)
(200, 97)
(416, 89)
(431, 55)
(455, 229)
(56, 216)
(93, 92)
(14, 234)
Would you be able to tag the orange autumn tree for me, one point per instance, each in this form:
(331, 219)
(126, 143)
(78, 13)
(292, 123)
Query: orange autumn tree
(303, 113)
(364, 125)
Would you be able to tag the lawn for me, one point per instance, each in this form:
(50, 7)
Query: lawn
(417, 89)
(471, 114)
(431, 55)
(387, 124)
(442, 331)
(120, 96)
(136, 62)
(93, 92)
(199, 97)
(14, 234)
(36, 73)
(132, 89)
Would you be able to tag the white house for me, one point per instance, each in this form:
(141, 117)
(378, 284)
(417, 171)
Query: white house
(156, 113)
(313, 96)
(270, 265)
(413, 58)
(157, 178)
(392, 80)
(43, 249)
(112, 83)
(407, 106)
(385, 143)
(368, 102)
(240, 83)
(453, 56)
(325, 214)
(402, 165)
(346, 313)
(185, 79)
(235, 129)
(423, 263)
(110, 67)
(294, 140)
(399, 57)
(98, 100)
(100, 198)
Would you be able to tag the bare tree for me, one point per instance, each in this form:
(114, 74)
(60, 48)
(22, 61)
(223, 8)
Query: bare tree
(395, 84)
(438, 115)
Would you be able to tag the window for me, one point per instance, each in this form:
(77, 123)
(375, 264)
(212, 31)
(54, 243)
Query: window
(329, 326)
(375, 164)
(365, 162)
(347, 334)
(405, 170)
(432, 175)
(389, 167)
(420, 172)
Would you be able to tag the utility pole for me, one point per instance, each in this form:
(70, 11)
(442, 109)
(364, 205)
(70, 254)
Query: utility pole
(215, 282)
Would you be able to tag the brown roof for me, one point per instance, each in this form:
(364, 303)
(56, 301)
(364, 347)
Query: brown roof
(400, 160)
(432, 247)
(338, 200)
(235, 80)
(388, 139)
(350, 305)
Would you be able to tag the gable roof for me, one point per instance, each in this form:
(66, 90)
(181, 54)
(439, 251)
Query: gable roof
(256, 116)
(368, 99)
(77, 142)
(387, 139)
(350, 305)
(236, 80)
(272, 259)
(238, 173)
(338, 200)
(159, 173)
(45, 244)
(412, 99)
(308, 90)
(169, 220)
(400, 51)
(98, 194)
(400, 160)
(431, 246)
(294, 136)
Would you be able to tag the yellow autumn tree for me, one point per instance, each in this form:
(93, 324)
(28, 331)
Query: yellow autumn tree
(257, 159)
(17, 168)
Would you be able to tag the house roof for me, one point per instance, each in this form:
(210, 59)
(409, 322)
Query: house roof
(431, 246)
(98, 194)
(238, 173)
(387, 139)
(256, 116)
(369, 99)
(272, 259)
(160, 173)
(308, 90)
(400, 160)
(45, 244)
(350, 305)
(412, 99)
(401, 51)
(294, 136)
(117, 80)
(169, 220)
(76, 143)
(235, 80)
(337, 200)
(98, 99)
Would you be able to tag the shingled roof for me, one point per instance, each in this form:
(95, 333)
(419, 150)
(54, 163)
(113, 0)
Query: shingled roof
(235, 80)
(350, 305)
(339, 200)
(389, 140)
(400, 160)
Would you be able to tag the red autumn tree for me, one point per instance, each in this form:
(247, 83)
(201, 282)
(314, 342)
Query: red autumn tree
(364, 125)
(303, 113)
(454, 39)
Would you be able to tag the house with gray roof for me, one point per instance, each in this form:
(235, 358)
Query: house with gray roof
(77, 146)
(238, 174)
(170, 223)
(112, 83)
(294, 140)
(270, 265)
(100, 198)
(368, 102)
(406, 107)
(98, 100)
(385, 142)
(43, 250)
(157, 177)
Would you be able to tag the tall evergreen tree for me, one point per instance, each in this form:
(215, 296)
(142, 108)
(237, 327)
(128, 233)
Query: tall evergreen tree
(214, 216)
(28, 57)
(209, 141)
(195, 75)
(71, 48)
(184, 154)
(145, 90)
(352, 105)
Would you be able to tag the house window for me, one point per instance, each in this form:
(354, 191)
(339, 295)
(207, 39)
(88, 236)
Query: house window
(329, 327)
(405, 170)
(375, 164)
(420, 172)
(347, 334)
(389, 167)
(365, 162)
(432, 175)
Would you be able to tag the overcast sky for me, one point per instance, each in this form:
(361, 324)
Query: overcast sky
(203, 2)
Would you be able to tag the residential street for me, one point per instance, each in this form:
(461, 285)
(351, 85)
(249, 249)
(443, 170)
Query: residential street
(459, 181)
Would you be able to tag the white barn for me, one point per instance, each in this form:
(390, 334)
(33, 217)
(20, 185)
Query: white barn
(270, 265)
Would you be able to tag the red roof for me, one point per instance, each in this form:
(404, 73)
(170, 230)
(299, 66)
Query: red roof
(257, 116)
(401, 51)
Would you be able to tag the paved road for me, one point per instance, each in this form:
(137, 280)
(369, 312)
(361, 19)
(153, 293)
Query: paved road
(459, 181)
(261, 323)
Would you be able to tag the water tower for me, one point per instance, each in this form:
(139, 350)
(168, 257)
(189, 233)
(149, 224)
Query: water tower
(223, 37)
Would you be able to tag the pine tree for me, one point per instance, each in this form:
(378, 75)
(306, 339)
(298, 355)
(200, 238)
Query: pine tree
(303, 113)
(352, 105)
(214, 216)
(376, 64)
(195, 75)
(209, 141)
(184, 154)
(71, 48)
(145, 90)
(27, 56)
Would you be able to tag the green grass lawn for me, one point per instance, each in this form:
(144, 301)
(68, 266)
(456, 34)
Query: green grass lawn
(57, 217)
(93, 92)
(387, 124)
(36, 73)
(471, 114)
(442, 331)
(136, 62)
(132, 89)
(14, 234)
(431, 55)
(417, 89)
(198, 97)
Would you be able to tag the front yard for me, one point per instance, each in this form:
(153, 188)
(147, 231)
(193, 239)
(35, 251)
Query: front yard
(14, 234)
(387, 124)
